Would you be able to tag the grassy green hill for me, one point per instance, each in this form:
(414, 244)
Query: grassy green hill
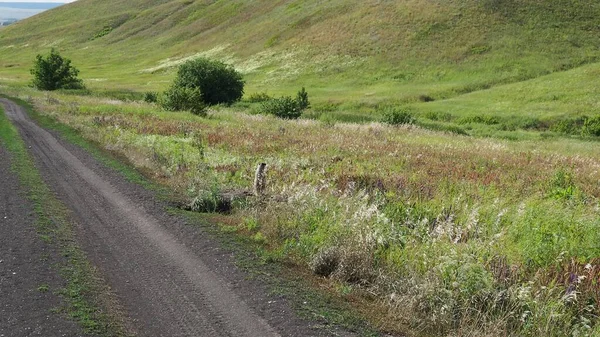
(353, 53)
(426, 233)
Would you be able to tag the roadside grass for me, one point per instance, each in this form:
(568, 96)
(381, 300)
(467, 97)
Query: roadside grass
(310, 296)
(70, 134)
(445, 234)
(84, 293)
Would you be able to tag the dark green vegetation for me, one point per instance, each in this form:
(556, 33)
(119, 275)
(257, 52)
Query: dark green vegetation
(397, 116)
(218, 83)
(284, 107)
(178, 98)
(55, 72)
(201, 82)
(83, 287)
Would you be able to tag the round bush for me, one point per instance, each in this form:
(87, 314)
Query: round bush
(182, 98)
(284, 107)
(218, 82)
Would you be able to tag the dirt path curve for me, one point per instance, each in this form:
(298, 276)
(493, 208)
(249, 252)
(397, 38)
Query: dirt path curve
(170, 280)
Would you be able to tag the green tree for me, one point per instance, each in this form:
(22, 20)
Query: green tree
(55, 72)
(302, 99)
(218, 82)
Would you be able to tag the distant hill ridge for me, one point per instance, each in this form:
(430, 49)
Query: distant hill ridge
(31, 5)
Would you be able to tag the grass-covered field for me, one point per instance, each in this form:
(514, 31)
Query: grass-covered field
(447, 234)
(481, 219)
(473, 67)
(349, 53)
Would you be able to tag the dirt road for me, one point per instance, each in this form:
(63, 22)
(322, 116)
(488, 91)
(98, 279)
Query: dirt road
(170, 278)
(27, 279)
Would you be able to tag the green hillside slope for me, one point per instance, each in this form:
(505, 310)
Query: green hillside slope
(344, 51)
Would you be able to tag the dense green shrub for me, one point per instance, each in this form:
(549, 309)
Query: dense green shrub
(219, 83)
(284, 107)
(397, 116)
(568, 126)
(425, 98)
(183, 98)
(302, 99)
(591, 126)
(444, 127)
(150, 97)
(55, 72)
(562, 186)
(210, 202)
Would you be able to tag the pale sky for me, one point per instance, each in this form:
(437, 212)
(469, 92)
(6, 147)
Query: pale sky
(55, 1)
(8, 12)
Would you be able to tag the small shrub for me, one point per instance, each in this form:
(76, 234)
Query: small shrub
(397, 116)
(150, 97)
(479, 119)
(325, 262)
(570, 126)
(183, 98)
(55, 72)
(302, 99)
(259, 97)
(210, 202)
(438, 116)
(479, 49)
(532, 123)
(444, 127)
(218, 82)
(591, 127)
(284, 107)
(105, 31)
(562, 186)
(327, 119)
(425, 98)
